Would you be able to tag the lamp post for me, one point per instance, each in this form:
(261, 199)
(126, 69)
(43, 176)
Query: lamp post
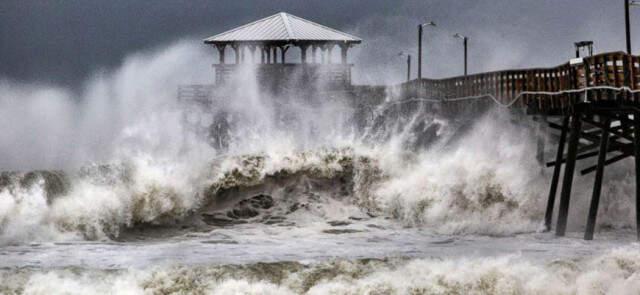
(408, 65)
(420, 26)
(465, 41)
(627, 20)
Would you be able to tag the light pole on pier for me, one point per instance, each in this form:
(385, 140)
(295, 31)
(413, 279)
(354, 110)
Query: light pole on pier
(408, 64)
(465, 40)
(408, 67)
(627, 20)
(420, 26)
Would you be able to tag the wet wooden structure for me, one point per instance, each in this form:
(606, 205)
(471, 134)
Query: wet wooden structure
(594, 102)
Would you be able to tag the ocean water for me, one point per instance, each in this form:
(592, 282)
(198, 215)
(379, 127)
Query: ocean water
(289, 195)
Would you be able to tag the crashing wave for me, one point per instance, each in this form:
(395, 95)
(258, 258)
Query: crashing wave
(614, 272)
(99, 202)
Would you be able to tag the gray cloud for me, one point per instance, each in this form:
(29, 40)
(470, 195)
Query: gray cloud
(63, 42)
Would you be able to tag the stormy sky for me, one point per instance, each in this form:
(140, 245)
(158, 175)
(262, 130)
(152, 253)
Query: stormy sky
(62, 42)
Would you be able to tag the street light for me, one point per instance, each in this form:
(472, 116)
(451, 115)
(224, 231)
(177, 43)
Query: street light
(627, 20)
(420, 26)
(408, 64)
(465, 39)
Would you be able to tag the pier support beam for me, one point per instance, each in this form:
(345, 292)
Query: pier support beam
(597, 185)
(556, 174)
(565, 196)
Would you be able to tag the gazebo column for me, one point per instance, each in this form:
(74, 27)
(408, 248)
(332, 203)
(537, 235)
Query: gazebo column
(221, 48)
(330, 52)
(261, 54)
(236, 50)
(344, 48)
(314, 49)
(267, 55)
(252, 49)
(242, 53)
(283, 53)
(274, 52)
(303, 53)
(323, 52)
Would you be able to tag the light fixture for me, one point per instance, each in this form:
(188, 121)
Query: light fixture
(432, 24)
(460, 36)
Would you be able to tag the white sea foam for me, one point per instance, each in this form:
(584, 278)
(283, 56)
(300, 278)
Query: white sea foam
(614, 272)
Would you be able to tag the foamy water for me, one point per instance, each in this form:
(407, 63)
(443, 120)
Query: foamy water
(301, 196)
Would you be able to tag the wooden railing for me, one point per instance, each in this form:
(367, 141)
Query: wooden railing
(196, 93)
(542, 89)
(326, 76)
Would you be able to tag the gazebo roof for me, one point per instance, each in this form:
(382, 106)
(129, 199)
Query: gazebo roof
(282, 27)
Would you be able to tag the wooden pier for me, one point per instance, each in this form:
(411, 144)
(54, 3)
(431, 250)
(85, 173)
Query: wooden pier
(592, 101)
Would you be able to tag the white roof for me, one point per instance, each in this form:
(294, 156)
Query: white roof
(282, 27)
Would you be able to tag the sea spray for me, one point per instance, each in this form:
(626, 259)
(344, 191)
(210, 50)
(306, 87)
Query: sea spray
(466, 186)
(487, 182)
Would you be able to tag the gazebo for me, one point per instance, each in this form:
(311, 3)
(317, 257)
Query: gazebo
(272, 37)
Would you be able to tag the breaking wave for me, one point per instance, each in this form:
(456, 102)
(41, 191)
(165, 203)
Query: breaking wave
(615, 272)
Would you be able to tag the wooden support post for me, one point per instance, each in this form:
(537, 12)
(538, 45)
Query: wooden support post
(597, 184)
(565, 196)
(556, 174)
(636, 154)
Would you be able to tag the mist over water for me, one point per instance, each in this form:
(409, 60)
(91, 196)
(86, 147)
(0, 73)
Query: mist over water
(116, 164)
(56, 128)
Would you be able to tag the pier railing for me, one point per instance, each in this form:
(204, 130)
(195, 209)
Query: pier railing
(541, 89)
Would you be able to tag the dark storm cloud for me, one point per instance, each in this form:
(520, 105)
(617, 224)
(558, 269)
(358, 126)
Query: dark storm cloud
(64, 41)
